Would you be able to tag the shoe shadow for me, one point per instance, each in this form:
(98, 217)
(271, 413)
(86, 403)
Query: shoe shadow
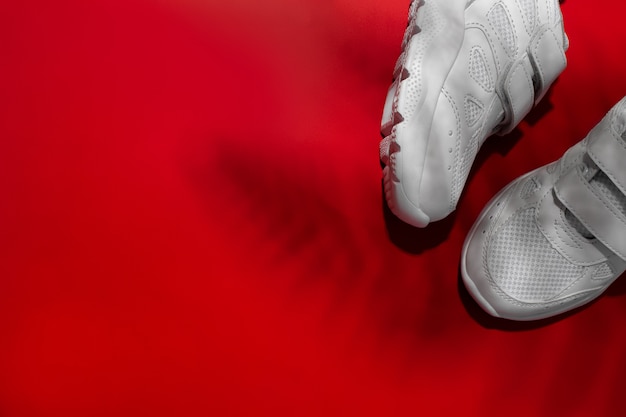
(618, 288)
(412, 239)
(542, 108)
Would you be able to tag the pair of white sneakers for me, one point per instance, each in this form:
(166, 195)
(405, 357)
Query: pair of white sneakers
(555, 238)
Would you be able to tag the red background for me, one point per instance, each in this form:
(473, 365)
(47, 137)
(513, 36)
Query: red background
(192, 221)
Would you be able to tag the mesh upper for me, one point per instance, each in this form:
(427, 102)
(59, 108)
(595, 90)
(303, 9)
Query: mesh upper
(473, 110)
(530, 13)
(501, 21)
(478, 69)
(523, 263)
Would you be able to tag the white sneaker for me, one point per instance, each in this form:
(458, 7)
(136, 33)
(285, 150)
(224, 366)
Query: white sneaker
(468, 69)
(554, 239)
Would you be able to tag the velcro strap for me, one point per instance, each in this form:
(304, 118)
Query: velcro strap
(547, 56)
(518, 94)
(608, 150)
(594, 212)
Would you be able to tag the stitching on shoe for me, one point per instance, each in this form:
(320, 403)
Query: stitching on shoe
(469, 100)
(610, 275)
(546, 233)
(610, 207)
(582, 275)
(486, 32)
(511, 53)
(518, 65)
(534, 59)
(601, 164)
(478, 59)
(567, 232)
(529, 24)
